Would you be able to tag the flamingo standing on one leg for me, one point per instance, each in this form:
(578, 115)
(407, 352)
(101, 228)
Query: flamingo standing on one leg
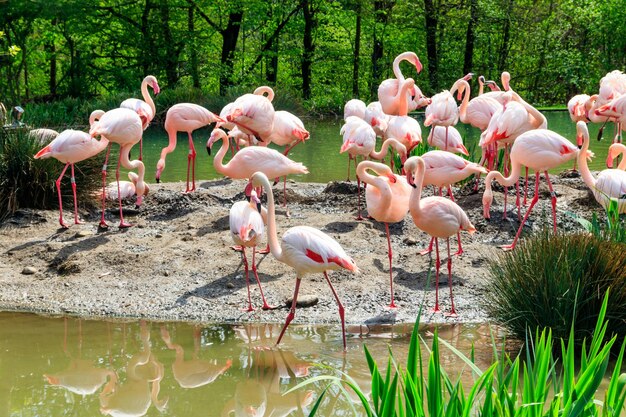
(254, 113)
(184, 117)
(246, 229)
(70, 147)
(387, 199)
(538, 149)
(393, 94)
(126, 190)
(375, 116)
(305, 249)
(610, 184)
(145, 108)
(122, 126)
(437, 216)
(406, 130)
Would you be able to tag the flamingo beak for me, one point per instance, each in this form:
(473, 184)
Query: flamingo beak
(392, 178)
(418, 66)
(579, 141)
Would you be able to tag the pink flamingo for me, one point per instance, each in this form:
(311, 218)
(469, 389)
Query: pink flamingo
(610, 184)
(437, 138)
(442, 169)
(616, 150)
(495, 92)
(70, 147)
(122, 126)
(288, 130)
(384, 149)
(127, 188)
(393, 93)
(354, 107)
(246, 229)
(305, 249)
(437, 216)
(576, 108)
(615, 110)
(387, 199)
(254, 113)
(538, 149)
(375, 116)
(184, 117)
(477, 111)
(145, 108)
(406, 130)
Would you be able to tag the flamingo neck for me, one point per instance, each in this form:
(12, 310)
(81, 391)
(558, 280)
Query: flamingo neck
(481, 86)
(396, 66)
(146, 96)
(465, 90)
(375, 181)
(171, 135)
(384, 148)
(136, 164)
(582, 163)
(219, 157)
(416, 193)
(261, 91)
(403, 97)
(272, 237)
(540, 120)
(516, 169)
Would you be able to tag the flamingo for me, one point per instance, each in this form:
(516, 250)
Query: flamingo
(477, 111)
(442, 169)
(127, 188)
(615, 150)
(610, 184)
(70, 147)
(538, 149)
(354, 107)
(576, 108)
(246, 229)
(406, 130)
(254, 113)
(375, 116)
(122, 126)
(393, 93)
(437, 138)
(184, 117)
(384, 149)
(495, 92)
(387, 199)
(437, 216)
(615, 110)
(305, 249)
(145, 108)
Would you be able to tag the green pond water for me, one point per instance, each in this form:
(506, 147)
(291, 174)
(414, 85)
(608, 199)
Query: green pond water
(321, 152)
(76, 367)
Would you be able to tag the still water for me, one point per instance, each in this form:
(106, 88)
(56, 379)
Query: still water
(76, 367)
(321, 152)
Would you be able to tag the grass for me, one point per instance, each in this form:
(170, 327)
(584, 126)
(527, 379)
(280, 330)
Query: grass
(552, 280)
(29, 183)
(529, 385)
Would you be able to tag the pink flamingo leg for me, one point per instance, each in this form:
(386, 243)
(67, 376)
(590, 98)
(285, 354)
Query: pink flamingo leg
(517, 201)
(292, 311)
(530, 208)
(437, 265)
(58, 184)
(341, 310)
(552, 200)
(73, 181)
(103, 224)
(506, 174)
(452, 312)
(459, 251)
(141, 149)
(191, 158)
(245, 263)
(446, 139)
(526, 187)
(256, 275)
(358, 188)
(349, 163)
(390, 254)
(123, 224)
(265, 250)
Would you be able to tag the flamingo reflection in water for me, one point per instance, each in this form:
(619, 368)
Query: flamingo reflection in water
(134, 396)
(195, 372)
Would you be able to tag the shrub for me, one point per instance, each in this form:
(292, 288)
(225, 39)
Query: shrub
(552, 280)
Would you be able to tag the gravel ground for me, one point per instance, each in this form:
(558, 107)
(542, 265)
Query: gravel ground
(176, 262)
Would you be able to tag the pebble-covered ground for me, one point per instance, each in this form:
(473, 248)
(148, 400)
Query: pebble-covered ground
(175, 263)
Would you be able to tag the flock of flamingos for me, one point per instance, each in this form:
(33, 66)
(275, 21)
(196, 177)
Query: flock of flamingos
(504, 118)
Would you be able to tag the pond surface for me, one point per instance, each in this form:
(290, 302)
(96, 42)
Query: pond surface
(76, 367)
(321, 152)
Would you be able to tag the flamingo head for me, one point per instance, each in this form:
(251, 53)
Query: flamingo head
(487, 200)
(506, 77)
(429, 120)
(418, 65)
(579, 111)
(140, 188)
(159, 169)
(216, 135)
(468, 76)
(391, 177)
(492, 85)
(614, 151)
(254, 199)
(607, 110)
(481, 79)
(152, 82)
(234, 114)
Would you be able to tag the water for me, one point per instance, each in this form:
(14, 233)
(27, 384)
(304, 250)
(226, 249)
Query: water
(73, 367)
(321, 152)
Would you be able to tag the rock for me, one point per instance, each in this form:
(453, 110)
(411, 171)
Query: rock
(303, 301)
(230, 285)
(83, 233)
(29, 270)
(158, 235)
(166, 273)
(410, 241)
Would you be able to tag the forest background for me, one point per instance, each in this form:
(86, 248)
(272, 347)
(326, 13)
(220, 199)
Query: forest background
(317, 53)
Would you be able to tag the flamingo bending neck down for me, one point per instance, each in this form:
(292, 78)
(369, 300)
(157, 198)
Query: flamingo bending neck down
(540, 150)
(387, 199)
(393, 92)
(145, 108)
(437, 216)
(305, 249)
(185, 117)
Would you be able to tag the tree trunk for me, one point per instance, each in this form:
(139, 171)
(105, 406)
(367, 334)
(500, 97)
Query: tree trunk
(171, 54)
(506, 35)
(50, 50)
(146, 50)
(193, 52)
(229, 44)
(357, 51)
(468, 62)
(430, 16)
(271, 67)
(309, 48)
(382, 10)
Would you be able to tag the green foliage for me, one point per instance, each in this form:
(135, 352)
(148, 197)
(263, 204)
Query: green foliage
(29, 183)
(551, 280)
(529, 385)
(614, 227)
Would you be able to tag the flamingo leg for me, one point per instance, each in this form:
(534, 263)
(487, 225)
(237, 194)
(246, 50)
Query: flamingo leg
(446, 139)
(358, 190)
(73, 181)
(483, 161)
(452, 312)
(141, 148)
(256, 275)
(292, 311)
(390, 254)
(341, 310)
(459, 252)
(285, 196)
(265, 250)
(437, 265)
(530, 208)
(429, 249)
(123, 224)
(58, 184)
(349, 163)
(506, 174)
(552, 200)
(103, 224)
(247, 271)
(526, 186)
(517, 201)
(191, 158)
